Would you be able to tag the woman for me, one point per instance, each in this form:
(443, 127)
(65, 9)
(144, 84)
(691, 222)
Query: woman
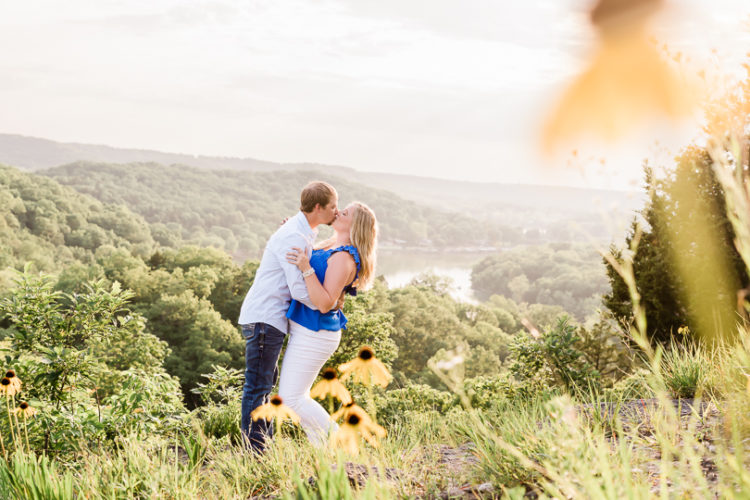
(338, 265)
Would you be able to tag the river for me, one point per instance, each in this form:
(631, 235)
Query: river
(399, 267)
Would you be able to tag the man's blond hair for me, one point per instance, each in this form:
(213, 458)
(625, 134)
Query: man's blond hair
(316, 192)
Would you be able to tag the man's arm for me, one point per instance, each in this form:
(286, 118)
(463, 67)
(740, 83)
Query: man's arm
(294, 279)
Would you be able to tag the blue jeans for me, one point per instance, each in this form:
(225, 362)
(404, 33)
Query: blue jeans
(262, 348)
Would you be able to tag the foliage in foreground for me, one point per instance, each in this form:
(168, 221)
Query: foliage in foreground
(88, 366)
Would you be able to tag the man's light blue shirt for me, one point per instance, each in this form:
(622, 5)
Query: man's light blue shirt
(277, 281)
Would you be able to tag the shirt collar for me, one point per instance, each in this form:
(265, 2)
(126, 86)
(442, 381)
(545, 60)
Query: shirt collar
(305, 226)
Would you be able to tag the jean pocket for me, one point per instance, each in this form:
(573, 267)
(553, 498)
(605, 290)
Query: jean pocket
(248, 331)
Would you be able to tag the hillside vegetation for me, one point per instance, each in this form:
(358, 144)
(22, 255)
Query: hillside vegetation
(546, 213)
(52, 225)
(571, 276)
(239, 210)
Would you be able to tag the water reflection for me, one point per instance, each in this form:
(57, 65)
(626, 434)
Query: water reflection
(399, 267)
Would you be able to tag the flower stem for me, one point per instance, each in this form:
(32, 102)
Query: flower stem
(2, 445)
(10, 421)
(26, 431)
(371, 399)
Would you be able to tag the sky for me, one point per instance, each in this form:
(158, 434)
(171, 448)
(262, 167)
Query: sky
(440, 88)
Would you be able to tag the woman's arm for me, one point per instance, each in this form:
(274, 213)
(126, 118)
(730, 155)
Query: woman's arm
(340, 272)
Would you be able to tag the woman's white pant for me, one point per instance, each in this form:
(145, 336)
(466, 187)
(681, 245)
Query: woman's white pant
(306, 353)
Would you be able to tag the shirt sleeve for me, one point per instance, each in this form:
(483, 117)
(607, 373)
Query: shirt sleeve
(293, 275)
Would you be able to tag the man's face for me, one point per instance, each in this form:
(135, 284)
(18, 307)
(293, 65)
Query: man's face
(329, 212)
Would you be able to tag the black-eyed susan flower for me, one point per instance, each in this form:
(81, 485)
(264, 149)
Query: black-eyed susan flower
(366, 421)
(343, 411)
(366, 369)
(347, 436)
(7, 387)
(330, 385)
(14, 380)
(25, 409)
(275, 408)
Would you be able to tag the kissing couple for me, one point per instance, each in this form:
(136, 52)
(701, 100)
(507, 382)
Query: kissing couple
(299, 288)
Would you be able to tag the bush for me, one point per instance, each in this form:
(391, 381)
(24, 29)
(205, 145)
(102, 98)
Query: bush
(553, 359)
(87, 366)
(400, 403)
(222, 397)
(486, 392)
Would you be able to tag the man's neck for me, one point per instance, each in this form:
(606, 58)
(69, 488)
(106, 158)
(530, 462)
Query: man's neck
(311, 220)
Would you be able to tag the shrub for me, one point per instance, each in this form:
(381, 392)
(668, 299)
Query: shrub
(399, 403)
(222, 396)
(554, 359)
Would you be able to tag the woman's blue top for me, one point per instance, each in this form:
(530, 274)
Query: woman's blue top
(312, 318)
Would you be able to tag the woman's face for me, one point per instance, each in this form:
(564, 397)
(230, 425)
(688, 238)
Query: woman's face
(344, 219)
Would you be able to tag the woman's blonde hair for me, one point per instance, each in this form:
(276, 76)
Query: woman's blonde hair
(363, 234)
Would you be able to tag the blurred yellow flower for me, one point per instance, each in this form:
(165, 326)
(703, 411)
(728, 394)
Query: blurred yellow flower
(366, 422)
(7, 387)
(366, 369)
(25, 409)
(330, 385)
(626, 81)
(275, 408)
(14, 380)
(347, 436)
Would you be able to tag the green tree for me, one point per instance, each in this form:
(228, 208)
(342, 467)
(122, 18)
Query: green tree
(660, 285)
(198, 336)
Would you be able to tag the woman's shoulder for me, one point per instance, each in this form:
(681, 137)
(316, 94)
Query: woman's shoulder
(350, 251)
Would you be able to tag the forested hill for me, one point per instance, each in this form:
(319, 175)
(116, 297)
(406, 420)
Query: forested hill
(33, 153)
(239, 210)
(52, 225)
(542, 210)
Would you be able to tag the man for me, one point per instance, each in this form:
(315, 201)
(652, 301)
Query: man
(263, 315)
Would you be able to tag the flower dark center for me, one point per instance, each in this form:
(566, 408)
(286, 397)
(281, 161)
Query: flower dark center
(366, 354)
(10, 374)
(24, 405)
(276, 401)
(352, 420)
(329, 374)
(5, 381)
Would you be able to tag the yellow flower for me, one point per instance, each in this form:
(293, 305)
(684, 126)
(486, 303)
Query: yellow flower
(354, 427)
(14, 380)
(626, 82)
(275, 408)
(330, 385)
(366, 422)
(7, 387)
(25, 409)
(366, 369)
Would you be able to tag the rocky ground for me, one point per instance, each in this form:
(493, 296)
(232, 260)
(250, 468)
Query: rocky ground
(455, 463)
